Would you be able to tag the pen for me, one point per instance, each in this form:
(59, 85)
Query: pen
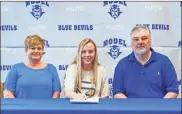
(81, 93)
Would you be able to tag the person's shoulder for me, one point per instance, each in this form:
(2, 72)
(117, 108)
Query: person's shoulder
(102, 71)
(124, 59)
(49, 65)
(18, 65)
(72, 66)
(161, 57)
(101, 68)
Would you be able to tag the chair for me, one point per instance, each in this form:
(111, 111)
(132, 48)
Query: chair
(2, 89)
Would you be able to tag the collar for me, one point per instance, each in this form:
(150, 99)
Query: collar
(152, 58)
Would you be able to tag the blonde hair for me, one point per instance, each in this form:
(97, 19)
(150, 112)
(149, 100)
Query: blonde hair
(33, 40)
(77, 61)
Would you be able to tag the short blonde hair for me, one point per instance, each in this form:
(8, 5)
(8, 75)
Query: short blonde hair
(33, 40)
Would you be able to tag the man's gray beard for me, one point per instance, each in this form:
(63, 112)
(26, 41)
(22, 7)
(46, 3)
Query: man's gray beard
(141, 52)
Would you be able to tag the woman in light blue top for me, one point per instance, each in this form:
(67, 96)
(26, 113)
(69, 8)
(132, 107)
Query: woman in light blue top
(33, 79)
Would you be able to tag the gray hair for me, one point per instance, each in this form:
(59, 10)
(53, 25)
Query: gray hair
(139, 27)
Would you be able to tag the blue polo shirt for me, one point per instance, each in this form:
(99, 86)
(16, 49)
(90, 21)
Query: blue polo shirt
(154, 79)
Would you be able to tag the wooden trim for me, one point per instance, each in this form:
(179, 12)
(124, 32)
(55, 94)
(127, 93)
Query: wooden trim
(2, 88)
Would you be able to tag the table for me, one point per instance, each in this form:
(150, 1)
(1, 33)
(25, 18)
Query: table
(105, 106)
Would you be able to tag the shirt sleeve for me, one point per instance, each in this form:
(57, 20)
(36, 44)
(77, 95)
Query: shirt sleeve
(70, 78)
(118, 80)
(171, 82)
(105, 86)
(11, 80)
(56, 80)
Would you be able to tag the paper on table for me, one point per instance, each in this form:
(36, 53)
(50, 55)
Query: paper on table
(94, 100)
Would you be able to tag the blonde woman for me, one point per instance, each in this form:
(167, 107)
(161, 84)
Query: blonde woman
(34, 78)
(85, 77)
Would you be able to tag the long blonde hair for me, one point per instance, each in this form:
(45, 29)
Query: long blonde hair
(77, 61)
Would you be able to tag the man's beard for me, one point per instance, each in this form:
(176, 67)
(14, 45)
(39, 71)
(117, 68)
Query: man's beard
(141, 51)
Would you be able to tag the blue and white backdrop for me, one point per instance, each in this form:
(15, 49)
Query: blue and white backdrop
(64, 24)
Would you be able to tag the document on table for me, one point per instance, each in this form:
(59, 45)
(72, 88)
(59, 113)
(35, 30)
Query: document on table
(94, 100)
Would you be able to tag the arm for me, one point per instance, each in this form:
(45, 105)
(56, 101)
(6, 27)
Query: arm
(170, 80)
(8, 94)
(10, 83)
(120, 95)
(171, 95)
(104, 85)
(56, 94)
(56, 84)
(74, 95)
(69, 83)
(105, 91)
(118, 82)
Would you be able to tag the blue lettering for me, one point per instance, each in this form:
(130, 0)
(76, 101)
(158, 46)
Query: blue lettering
(153, 26)
(115, 2)
(122, 42)
(45, 3)
(15, 27)
(37, 2)
(83, 27)
(63, 67)
(8, 27)
(5, 67)
(105, 43)
(114, 41)
(78, 27)
(110, 41)
(111, 89)
(106, 3)
(167, 27)
(27, 3)
(145, 25)
(75, 27)
(32, 2)
(91, 27)
(160, 27)
(110, 80)
(64, 27)
(46, 43)
(179, 44)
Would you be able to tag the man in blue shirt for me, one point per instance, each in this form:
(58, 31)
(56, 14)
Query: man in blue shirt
(144, 73)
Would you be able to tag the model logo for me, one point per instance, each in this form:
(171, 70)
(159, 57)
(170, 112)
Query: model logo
(37, 10)
(115, 10)
(114, 44)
